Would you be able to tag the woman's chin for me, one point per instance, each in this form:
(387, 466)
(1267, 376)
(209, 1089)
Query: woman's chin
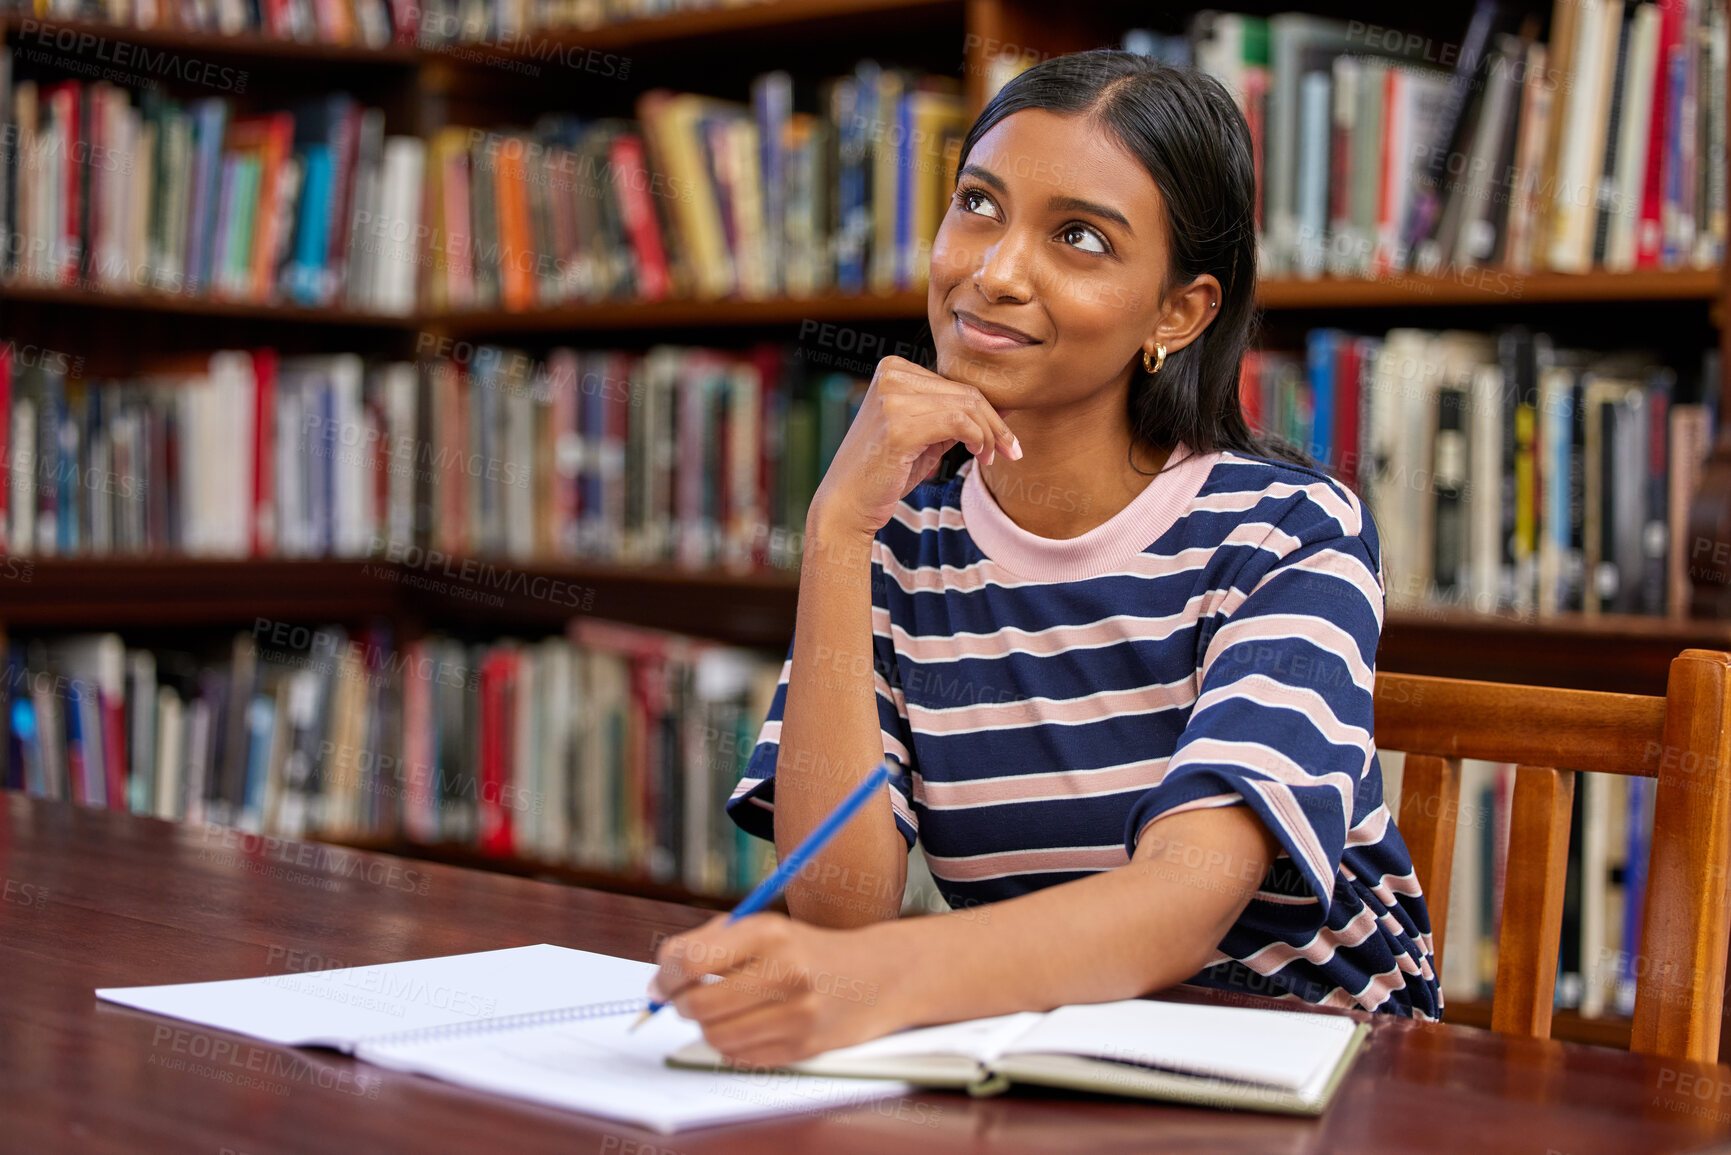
(1001, 384)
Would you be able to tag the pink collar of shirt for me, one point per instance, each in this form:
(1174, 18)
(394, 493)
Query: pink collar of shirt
(1104, 548)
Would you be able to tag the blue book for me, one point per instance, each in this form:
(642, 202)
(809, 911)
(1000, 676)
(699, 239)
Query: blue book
(1640, 813)
(66, 469)
(858, 156)
(1555, 443)
(772, 100)
(1314, 124)
(312, 236)
(210, 121)
(33, 773)
(1321, 351)
(260, 730)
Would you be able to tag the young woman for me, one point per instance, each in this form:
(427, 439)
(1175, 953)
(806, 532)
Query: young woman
(1124, 658)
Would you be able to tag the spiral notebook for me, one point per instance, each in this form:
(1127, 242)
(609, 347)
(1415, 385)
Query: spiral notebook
(542, 1023)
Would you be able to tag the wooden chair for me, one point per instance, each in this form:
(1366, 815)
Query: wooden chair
(1683, 740)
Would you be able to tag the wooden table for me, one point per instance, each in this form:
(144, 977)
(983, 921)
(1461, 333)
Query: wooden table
(92, 898)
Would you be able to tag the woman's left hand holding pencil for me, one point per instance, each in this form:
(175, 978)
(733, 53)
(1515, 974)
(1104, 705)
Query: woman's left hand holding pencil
(785, 990)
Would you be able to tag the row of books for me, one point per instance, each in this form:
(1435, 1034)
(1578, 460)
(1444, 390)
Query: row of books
(372, 23)
(1601, 147)
(698, 197)
(1504, 473)
(1606, 882)
(690, 456)
(134, 192)
(609, 749)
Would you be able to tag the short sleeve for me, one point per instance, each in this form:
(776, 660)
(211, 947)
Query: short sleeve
(752, 805)
(1283, 719)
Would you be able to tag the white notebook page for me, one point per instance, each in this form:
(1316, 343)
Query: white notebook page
(600, 1067)
(1274, 1048)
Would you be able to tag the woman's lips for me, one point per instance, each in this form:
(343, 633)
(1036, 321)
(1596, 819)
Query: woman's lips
(988, 336)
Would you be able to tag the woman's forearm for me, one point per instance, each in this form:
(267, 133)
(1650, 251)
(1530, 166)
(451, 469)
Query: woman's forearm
(1115, 935)
(830, 739)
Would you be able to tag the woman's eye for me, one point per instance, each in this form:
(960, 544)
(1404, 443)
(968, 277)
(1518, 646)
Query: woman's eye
(1084, 238)
(973, 200)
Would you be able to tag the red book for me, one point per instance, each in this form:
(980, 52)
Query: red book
(405, 28)
(63, 101)
(1650, 228)
(498, 685)
(264, 363)
(1348, 363)
(631, 188)
(113, 709)
(1250, 389)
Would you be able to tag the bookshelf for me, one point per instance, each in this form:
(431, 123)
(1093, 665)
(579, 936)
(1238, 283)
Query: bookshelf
(423, 89)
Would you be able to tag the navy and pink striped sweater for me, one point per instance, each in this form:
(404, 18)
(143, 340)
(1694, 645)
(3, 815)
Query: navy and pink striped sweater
(1212, 644)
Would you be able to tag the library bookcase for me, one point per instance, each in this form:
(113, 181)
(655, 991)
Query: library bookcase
(717, 51)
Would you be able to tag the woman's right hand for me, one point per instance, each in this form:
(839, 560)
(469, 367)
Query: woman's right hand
(909, 419)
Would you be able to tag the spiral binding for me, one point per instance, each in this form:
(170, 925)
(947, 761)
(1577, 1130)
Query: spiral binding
(440, 1034)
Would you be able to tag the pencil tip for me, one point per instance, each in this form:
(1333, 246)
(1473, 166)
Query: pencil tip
(641, 1019)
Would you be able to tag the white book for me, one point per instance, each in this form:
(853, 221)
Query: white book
(1633, 138)
(22, 458)
(227, 446)
(1596, 835)
(396, 261)
(1577, 163)
(543, 1023)
(352, 471)
(553, 804)
(170, 755)
(1484, 512)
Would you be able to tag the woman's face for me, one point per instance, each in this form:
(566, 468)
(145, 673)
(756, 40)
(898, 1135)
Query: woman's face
(1047, 266)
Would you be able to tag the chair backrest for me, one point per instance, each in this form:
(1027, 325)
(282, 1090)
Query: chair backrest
(1683, 740)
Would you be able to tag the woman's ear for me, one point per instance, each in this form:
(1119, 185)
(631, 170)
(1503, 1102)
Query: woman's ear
(1188, 311)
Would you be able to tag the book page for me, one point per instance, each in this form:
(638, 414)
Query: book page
(979, 1039)
(601, 1067)
(334, 1008)
(1272, 1048)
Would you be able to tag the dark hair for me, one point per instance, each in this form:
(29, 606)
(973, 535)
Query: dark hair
(1189, 134)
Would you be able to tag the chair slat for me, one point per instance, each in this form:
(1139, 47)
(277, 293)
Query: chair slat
(1679, 992)
(1430, 810)
(1532, 725)
(1533, 886)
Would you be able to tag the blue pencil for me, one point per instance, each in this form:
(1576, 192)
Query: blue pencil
(765, 891)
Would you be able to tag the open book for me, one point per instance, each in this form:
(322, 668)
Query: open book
(543, 1023)
(1261, 1060)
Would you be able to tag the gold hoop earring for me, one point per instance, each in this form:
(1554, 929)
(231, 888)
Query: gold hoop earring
(1152, 365)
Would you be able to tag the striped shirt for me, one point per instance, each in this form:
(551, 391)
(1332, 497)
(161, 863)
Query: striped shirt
(1050, 698)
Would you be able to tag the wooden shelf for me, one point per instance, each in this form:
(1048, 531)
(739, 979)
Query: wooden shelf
(1474, 286)
(84, 593)
(534, 46)
(1621, 653)
(102, 593)
(829, 307)
(193, 305)
(1617, 652)
(702, 24)
(1280, 295)
(453, 854)
(253, 45)
(1566, 1025)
